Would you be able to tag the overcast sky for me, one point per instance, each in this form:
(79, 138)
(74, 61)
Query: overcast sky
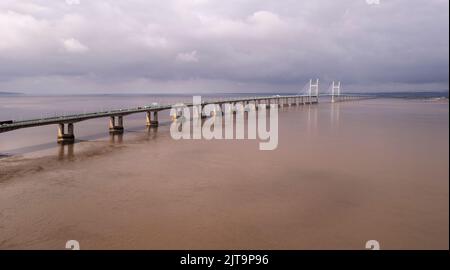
(120, 46)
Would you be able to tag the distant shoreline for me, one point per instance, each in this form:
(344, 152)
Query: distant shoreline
(11, 94)
(407, 95)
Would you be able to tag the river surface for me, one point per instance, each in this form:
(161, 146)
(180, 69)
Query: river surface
(342, 174)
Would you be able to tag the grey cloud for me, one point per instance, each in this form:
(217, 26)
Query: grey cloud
(190, 45)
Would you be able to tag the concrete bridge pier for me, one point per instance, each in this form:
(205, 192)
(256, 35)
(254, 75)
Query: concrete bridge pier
(202, 114)
(178, 113)
(148, 118)
(113, 127)
(196, 111)
(154, 122)
(222, 108)
(64, 137)
(214, 111)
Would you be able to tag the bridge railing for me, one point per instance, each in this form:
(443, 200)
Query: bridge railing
(69, 120)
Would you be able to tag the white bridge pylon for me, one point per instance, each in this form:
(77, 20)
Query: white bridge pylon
(314, 89)
(335, 90)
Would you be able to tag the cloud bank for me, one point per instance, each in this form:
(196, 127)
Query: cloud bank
(222, 46)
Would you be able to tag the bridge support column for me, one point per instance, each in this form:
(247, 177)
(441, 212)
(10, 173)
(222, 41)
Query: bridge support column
(149, 121)
(116, 128)
(202, 114)
(214, 111)
(175, 115)
(65, 137)
(154, 122)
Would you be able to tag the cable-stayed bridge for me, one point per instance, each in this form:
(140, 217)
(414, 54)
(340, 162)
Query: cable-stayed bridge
(65, 123)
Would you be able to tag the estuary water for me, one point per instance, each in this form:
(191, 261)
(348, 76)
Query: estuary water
(342, 174)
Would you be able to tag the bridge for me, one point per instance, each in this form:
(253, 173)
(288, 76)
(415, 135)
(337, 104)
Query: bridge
(66, 122)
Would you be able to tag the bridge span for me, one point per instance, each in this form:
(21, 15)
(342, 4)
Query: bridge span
(65, 123)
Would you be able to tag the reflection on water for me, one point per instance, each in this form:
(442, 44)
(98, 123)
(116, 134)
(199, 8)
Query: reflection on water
(312, 118)
(116, 138)
(152, 132)
(66, 151)
(334, 112)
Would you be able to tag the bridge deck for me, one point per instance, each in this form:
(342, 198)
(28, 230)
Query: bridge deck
(121, 112)
(66, 119)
